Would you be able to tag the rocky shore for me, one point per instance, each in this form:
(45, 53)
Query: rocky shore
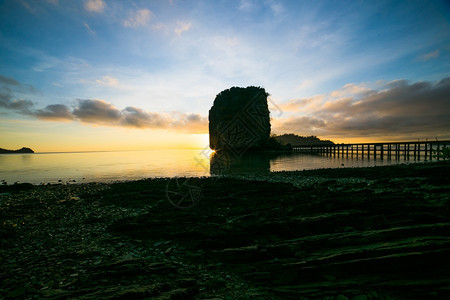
(357, 233)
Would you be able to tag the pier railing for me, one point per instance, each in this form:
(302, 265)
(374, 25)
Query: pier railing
(426, 150)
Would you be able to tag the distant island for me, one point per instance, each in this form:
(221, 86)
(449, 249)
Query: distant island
(22, 150)
(296, 140)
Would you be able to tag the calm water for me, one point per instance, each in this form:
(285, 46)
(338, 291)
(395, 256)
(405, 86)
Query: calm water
(128, 165)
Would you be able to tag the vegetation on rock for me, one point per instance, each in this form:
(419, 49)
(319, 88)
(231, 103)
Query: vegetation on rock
(297, 140)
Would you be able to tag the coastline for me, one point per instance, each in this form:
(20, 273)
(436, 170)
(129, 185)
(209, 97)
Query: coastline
(372, 233)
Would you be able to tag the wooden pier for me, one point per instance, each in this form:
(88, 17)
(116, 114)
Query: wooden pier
(420, 150)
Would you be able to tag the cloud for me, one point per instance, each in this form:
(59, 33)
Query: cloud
(9, 89)
(96, 111)
(97, 6)
(10, 85)
(8, 81)
(54, 112)
(89, 29)
(30, 7)
(276, 7)
(159, 26)
(246, 5)
(399, 108)
(137, 117)
(190, 122)
(302, 104)
(108, 80)
(101, 112)
(182, 27)
(252, 6)
(139, 18)
(350, 88)
(298, 124)
(431, 55)
(20, 105)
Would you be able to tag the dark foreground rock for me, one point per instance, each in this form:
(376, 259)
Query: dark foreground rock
(369, 233)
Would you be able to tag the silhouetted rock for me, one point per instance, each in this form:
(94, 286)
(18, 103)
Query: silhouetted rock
(22, 150)
(239, 120)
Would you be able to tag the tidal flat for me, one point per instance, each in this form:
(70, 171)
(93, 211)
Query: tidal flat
(348, 233)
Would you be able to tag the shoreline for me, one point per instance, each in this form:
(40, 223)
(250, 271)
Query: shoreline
(374, 233)
(254, 175)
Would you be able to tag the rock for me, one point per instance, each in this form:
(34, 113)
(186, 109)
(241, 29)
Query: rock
(239, 120)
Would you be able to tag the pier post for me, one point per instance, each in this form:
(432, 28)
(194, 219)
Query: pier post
(382, 151)
(418, 151)
(431, 150)
(438, 151)
(408, 151)
(404, 152)
(415, 151)
(397, 152)
(394, 151)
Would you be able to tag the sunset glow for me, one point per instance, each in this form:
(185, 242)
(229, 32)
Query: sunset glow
(140, 75)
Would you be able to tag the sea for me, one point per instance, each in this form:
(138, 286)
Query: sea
(112, 166)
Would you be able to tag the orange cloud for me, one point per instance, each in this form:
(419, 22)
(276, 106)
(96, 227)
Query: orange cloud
(399, 109)
(96, 6)
(139, 18)
(100, 112)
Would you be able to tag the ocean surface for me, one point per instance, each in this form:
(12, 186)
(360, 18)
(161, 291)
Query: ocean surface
(113, 166)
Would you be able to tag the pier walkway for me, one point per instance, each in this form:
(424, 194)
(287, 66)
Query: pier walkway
(426, 150)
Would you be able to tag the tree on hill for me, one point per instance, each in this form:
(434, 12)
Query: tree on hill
(297, 140)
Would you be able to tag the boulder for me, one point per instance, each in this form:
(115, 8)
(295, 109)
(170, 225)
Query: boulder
(239, 120)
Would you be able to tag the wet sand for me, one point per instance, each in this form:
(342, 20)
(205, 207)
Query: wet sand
(357, 233)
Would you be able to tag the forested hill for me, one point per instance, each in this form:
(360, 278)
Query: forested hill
(297, 140)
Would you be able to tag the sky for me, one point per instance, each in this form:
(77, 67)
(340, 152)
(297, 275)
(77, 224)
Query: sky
(137, 75)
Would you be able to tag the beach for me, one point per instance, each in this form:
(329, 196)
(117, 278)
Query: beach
(347, 233)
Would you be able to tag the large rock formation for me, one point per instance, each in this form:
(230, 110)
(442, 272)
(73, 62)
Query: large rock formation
(239, 120)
